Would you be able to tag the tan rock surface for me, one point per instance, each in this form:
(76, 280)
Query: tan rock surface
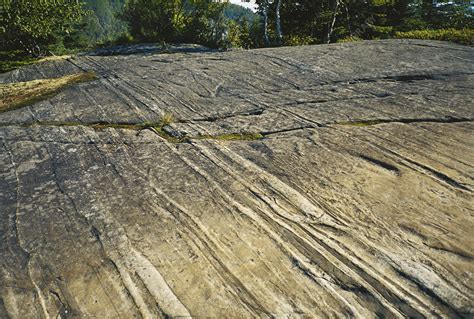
(356, 202)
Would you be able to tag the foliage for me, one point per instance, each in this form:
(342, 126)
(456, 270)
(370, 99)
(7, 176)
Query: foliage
(154, 20)
(463, 36)
(240, 34)
(33, 25)
(30, 29)
(205, 23)
(334, 20)
(197, 21)
(234, 37)
(103, 24)
(249, 32)
(349, 39)
(294, 40)
(451, 16)
(10, 60)
(238, 13)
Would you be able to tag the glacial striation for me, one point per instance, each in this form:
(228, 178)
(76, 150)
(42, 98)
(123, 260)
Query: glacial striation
(317, 181)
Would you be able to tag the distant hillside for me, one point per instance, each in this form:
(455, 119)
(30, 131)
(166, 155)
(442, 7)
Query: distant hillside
(236, 12)
(103, 24)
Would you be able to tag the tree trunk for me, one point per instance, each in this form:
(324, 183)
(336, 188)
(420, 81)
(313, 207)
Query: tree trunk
(334, 17)
(265, 23)
(278, 23)
(348, 18)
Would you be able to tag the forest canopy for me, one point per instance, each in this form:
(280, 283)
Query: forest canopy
(42, 27)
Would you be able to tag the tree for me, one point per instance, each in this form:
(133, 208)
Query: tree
(263, 7)
(205, 22)
(103, 24)
(333, 21)
(33, 25)
(154, 20)
(457, 15)
(279, 35)
(330, 20)
(198, 21)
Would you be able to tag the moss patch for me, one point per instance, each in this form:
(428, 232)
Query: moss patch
(16, 95)
(155, 127)
(159, 129)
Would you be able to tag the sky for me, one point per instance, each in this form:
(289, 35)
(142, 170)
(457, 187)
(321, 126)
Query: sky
(249, 5)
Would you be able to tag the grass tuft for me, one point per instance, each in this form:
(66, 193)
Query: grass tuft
(166, 119)
(20, 94)
(172, 139)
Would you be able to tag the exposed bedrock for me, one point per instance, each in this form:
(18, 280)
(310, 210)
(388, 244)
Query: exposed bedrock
(318, 181)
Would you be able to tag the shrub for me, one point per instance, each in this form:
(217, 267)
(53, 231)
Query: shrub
(10, 60)
(463, 36)
(350, 39)
(294, 40)
(195, 21)
(154, 20)
(32, 26)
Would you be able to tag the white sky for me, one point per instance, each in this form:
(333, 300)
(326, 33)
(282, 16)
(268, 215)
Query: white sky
(249, 5)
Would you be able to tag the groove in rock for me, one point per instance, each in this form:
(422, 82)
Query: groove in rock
(402, 78)
(362, 123)
(454, 313)
(225, 116)
(382, 164)
(268, 133)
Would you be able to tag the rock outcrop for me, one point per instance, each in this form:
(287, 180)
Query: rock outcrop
(318, 181)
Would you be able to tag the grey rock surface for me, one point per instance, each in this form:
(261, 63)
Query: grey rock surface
(356, 202)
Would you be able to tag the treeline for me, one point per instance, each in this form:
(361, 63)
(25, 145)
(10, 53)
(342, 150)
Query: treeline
(41, 27)
(325, 21)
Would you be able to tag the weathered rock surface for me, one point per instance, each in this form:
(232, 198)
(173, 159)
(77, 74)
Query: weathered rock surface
(358, 201)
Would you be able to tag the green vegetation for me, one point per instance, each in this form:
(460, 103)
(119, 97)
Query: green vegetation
(326, 21)
(207, 22)
(155, 127)
(197, 21)
(10, 60)
(35, 26)
(166, 119)
(349, 39)
(159, 128)
(463, 36)
(16, 95)
(33, 29)
(103, 23)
